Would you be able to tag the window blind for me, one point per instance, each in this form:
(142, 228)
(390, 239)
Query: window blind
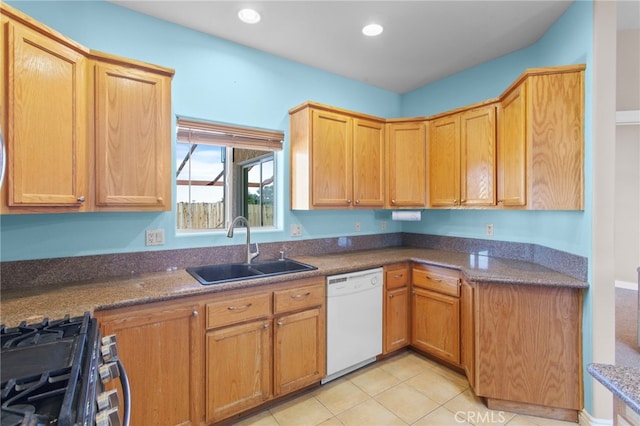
(208, 132)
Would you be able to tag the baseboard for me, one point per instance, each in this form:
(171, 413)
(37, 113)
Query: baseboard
(586, 419)
(627, 285)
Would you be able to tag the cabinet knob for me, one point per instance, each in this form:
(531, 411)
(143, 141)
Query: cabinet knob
(393, 201)
(266, 325)
(348, 201)
(280, 324)
(357, 201)
(81, 199)
(391, 296)
(463, 201)
(195, 314)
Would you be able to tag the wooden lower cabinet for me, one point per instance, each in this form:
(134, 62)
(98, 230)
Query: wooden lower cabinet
(528, 353)
(299, 350)
(160, 345)
(396, 308)
(435, 312)
(238, 369)
(205, 359)
(467, 331)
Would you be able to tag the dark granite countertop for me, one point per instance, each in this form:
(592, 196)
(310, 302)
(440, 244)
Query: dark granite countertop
(56, 301)
(624, 382)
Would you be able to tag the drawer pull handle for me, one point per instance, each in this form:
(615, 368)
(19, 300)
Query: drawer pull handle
(434, 279)
(300, 296)
(239, 308)
(398, 276)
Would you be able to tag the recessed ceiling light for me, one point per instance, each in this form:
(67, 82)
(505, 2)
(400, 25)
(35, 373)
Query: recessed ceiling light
(372, 30)
(249, 16)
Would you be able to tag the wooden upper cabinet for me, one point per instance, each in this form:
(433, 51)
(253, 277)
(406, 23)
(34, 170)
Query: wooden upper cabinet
(337, 159)
(407, 159)
(462, 158)
(85, 130)
(444, 161)
(368, 163)
(541, 141)
(45, 100)
(512, 150)
(331, 159)
(133, 138)
(478, 156)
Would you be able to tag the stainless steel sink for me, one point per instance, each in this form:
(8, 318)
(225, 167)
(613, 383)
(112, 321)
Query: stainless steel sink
(218, 274)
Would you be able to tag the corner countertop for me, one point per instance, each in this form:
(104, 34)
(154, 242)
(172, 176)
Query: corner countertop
(623, 381)
(56, 301)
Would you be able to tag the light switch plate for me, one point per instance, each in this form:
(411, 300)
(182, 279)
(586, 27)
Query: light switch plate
(154, 237)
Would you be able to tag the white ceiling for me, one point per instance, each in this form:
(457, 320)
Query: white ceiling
(422, 41)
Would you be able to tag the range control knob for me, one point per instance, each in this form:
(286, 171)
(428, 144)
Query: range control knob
(108, 372)
(108, 399)
(109, 351)
(110, 417)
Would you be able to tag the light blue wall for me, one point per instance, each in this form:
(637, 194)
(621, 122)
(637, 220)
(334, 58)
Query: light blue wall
(215, 79)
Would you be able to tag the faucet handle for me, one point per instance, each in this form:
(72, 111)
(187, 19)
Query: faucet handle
(256, 253)
(281, 255)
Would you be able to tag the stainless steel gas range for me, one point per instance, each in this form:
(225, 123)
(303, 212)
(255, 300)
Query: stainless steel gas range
(54, 372)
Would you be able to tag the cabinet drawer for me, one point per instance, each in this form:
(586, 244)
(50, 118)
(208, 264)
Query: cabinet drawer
(442, 280)
(237, 310)
(396, 278)
(298, 298)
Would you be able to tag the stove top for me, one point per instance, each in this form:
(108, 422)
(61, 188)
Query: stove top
(45, 376)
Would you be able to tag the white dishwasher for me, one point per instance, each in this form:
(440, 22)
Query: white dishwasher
(354, 321)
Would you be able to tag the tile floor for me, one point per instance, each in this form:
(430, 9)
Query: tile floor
(406, 389)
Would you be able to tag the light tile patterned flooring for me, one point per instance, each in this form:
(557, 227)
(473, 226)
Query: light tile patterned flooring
(406, 389)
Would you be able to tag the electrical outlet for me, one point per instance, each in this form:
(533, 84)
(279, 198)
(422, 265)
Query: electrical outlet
(488, 229)
(296, 230)
(383, 225)
(154, 237)
(357, 226)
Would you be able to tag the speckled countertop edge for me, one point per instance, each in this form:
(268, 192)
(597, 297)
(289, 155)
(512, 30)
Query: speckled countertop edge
(623, 381)
(56, 301)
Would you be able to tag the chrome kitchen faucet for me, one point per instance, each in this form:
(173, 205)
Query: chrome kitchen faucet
(235, 221)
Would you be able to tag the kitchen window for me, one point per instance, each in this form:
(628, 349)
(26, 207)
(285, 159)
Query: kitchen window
(224, 171)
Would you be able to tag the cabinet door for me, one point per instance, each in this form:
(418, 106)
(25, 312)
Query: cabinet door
(299, 357)
(47, 125)
(238, 370)
(467, 331)
(407, 162)
(368, 163)
(512, 152)
(160, 345)
(478, 157)
(444, 161)
(396, 319)
(533, 332)
(133, 141)
(436, 324)
(331, 159)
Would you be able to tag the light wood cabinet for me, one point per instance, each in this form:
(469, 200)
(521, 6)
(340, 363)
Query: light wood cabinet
(238, 373)
(337, 159)
(435, 312)
(468, 331)
(462, 158)
(133, 136)
(541, 141)
(407, 160)
(161, 346)
(299, 338)
(263, 345)
(529, 349)
(396, 308)
(85, 130)
(46, 131)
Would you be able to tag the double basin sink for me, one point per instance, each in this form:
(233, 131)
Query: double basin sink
(223, 273)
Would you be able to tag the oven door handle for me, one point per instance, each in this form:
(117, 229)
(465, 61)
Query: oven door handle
(126, 393)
